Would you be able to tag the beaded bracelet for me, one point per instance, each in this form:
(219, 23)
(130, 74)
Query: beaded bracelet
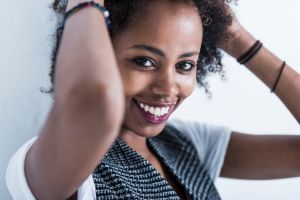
(80, 6)
(278, 77)
(250, 53)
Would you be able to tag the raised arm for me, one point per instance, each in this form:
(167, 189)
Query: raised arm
(266, 66)
(87, 111)
(264, 157)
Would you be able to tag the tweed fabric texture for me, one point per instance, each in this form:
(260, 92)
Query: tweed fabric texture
(124, 174)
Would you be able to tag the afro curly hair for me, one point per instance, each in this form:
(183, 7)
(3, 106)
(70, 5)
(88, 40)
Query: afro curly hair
(215, 17)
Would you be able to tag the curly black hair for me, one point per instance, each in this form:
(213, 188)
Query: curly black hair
(215, 19)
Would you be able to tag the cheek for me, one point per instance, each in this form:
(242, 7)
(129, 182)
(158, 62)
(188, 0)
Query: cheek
(187, 86)
(133, 81)
(130, 84)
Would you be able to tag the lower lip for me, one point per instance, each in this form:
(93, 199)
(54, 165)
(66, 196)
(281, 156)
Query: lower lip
(152, 118)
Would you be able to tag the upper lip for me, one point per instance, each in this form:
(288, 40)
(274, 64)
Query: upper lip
(157, 104)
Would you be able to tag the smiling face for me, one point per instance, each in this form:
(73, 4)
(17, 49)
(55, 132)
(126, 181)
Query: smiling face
(157, 57)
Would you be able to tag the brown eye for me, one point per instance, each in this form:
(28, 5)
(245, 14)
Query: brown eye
(143, 62)
(185, 66)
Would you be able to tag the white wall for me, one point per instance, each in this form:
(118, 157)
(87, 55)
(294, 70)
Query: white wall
(242, 102)
(25, 28)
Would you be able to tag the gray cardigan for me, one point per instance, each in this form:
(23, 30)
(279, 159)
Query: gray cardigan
(124, 174)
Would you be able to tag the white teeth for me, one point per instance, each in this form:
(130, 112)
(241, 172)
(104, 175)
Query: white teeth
(157, 111)
(151, 110)
(166, 109)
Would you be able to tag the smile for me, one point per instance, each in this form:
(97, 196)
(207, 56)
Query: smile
(157, 111)
(155, 114)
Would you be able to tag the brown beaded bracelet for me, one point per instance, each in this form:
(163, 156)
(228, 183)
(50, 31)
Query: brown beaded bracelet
(278, 77)
(250, 52)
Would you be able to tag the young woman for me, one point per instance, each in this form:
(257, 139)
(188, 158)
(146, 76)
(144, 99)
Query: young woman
(107, 136)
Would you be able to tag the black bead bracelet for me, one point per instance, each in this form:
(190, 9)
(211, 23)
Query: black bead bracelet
(80, 6)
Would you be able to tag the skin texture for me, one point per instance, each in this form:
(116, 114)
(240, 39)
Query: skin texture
(166, 77)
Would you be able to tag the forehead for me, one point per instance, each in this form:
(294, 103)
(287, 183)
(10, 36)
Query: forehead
(169, 25)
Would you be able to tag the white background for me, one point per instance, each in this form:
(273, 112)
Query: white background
(242, 102)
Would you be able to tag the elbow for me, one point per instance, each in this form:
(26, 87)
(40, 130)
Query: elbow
(106, 100)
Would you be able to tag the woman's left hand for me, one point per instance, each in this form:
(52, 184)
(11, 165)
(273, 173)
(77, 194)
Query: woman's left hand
(239, 39)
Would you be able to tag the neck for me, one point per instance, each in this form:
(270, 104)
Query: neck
(136, 142)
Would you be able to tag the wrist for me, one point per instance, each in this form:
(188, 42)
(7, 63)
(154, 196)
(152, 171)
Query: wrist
(239, 43)
(73, 3)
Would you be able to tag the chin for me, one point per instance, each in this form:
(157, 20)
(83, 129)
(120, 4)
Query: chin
(145, 131)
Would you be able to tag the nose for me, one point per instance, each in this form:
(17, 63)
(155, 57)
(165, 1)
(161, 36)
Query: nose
(164, 83)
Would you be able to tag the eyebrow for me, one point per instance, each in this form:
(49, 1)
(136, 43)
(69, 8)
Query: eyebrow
(160, 53)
